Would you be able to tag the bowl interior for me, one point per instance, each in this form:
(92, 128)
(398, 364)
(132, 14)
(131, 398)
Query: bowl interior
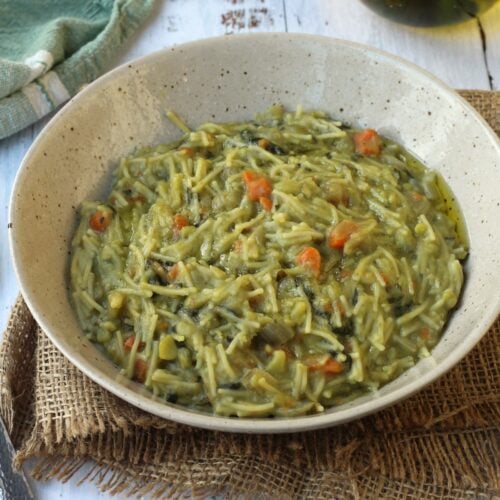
(232, 78)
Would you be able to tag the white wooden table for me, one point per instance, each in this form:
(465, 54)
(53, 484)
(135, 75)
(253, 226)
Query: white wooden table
(464, 56)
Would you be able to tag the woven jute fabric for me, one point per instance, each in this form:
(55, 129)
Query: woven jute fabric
(441, 443)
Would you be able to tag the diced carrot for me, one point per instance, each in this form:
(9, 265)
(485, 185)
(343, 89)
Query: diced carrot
(188, 152)
(310, 258)
(385, 277)
(333, 367)
(424, 333)
(263, 143)
(257, 185)
(260, 188)
(180, 221)
(129, 343)
(368, 142)
(341, 233)
(323, 363)
(140, 370)
(266, 203)
(249, 176)
(100, 220)
(173, 272)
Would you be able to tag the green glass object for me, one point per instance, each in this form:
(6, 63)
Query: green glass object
(429, 12)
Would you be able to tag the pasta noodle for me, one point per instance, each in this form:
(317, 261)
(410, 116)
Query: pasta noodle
(275, 267)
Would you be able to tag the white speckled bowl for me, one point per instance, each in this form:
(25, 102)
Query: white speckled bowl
(231, 78)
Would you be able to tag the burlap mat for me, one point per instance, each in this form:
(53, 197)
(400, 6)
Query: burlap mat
(441, 443)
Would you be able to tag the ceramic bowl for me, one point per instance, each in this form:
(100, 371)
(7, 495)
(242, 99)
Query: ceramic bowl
(231, 78)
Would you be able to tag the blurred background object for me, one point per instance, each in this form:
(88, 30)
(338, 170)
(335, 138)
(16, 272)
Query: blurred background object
(429, 12)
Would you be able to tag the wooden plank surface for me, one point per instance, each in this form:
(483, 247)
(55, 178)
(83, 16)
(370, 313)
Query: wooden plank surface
(454, 54)
(11, 152)
(490, 24)
(178, 21)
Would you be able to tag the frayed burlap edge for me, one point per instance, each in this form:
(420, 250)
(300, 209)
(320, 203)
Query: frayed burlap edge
(441, 443)
(17, 364)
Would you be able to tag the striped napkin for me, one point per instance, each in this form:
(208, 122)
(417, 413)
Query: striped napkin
(50, 48)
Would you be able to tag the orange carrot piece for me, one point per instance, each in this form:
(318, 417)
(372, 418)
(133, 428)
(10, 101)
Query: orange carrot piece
(424, 333)
(386, 277)
(310, 258)
(257, 185)
(140, 370)
(188, 152)
(263, 143)
(129, 343)
(368, 142)
(266, 203)
(100, 220)
(173, 272)
(332, 366)
(260, 188)
(341, 233)
(323, 363)
(249, 176)
(180, 221)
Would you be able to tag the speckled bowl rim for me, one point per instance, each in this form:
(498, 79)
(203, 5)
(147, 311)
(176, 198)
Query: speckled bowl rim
(255, 425)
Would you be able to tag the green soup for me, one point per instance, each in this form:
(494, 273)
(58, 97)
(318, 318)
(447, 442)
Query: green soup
(275, 267)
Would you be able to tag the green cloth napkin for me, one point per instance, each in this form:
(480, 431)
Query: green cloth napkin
(50, 48)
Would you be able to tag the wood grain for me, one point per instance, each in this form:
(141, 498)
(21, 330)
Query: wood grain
(490, 23)
(179, 21)
(11, 152)
(453, 54)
